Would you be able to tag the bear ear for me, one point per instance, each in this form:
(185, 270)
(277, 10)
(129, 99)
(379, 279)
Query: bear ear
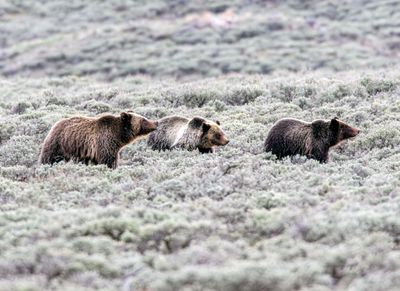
(217, 122)
(125, 116)
(334, 126)
(196, 122)
(206, 127)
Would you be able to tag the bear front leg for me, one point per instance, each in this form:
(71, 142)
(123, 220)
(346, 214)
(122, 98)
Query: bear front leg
(110, 161)
(206, 151)
(107, 155)
(321, 156)
(324, 159)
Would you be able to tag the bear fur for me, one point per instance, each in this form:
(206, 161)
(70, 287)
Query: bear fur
(190, 134)
(93, 139)
(289, 137)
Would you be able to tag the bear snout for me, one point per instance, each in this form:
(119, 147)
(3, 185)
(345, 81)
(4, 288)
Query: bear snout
(149, 125)
(350, 132)
(354, 132)
(225, 141)
(155, 124)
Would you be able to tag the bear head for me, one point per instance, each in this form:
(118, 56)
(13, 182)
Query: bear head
(333, 131)
(135, 125)
(211, 133)
(341, 131)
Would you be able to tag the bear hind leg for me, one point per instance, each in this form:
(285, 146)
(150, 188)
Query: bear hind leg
(51, 154)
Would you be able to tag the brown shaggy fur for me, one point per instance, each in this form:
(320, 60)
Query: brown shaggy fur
(289, 137)
(190, 134)
(93, 139)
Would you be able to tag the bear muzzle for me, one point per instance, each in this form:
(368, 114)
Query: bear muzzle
(149, 126)
(354, 132)
(224, 141)
(351, 132)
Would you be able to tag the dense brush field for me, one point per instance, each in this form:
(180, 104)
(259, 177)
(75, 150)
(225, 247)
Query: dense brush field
(234, 220)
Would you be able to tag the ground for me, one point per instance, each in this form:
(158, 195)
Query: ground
(237, 219)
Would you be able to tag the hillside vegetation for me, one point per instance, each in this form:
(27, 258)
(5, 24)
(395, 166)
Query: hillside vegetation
(235, 220)
(186, 39)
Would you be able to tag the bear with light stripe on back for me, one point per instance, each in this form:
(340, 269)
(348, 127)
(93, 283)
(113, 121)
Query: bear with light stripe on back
(175, 132)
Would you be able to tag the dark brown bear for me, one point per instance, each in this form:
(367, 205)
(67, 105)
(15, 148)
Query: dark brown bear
(289, 137)
(178, 132)
(93, 139)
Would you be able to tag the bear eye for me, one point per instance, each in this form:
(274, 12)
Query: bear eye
(217, 136)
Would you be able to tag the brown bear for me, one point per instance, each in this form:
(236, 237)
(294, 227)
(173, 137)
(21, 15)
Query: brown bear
(93, 139)
(190, 134)
(289, 137)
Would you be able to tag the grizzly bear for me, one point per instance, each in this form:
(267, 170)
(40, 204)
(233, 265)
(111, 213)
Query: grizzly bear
(190, 134)
(93, 139)
(289, 137)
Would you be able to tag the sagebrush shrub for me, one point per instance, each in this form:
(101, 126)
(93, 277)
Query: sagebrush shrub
(235, 219)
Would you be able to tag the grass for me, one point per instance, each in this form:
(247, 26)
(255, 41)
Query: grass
(236, 219)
